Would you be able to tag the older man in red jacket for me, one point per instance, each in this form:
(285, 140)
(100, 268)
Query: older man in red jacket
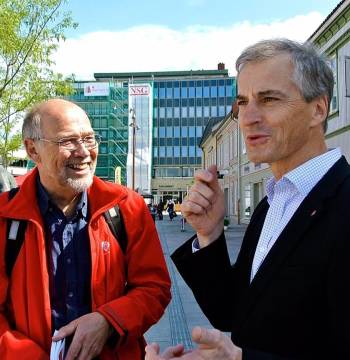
(71, 274)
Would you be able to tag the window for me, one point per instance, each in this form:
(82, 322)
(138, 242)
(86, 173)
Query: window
(103, 149)
(169, 151)
(199, 111)
(169, 132)
(221, 91)
(162, 93)
(103, 123)
(191, 132)
(169, 112)
(222, 111)
(155, 91)
(247, 209)
(206, 111)
(162, 151)
(176, 112)
(334, 67)
(244, 150)
(191, 92)
(199, 131)
(199, 92)
(184, 112)
(214, 111)
(161, 113)
(184, 131)
(184, 151)
(191, 151)
(176, 93)
(191, 111)
(184, 92)
(176, 132)
(173, 172)
(176, 151)
(155, 152)
(169, 93)
(347, 76)
(162, 132)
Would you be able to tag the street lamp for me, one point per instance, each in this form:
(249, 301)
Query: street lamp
(234, 117)
(134, 128)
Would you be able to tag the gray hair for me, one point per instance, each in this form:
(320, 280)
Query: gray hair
(312, 75)
(31, 128)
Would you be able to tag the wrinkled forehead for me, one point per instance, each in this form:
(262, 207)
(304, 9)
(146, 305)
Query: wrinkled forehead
(271, 73)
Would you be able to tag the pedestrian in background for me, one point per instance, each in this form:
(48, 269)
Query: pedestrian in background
(7, 181)
(160, 208)
(72, 273)
(287, 296)
(170, 209)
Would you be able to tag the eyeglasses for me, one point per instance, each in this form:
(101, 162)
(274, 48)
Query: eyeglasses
(90, 142)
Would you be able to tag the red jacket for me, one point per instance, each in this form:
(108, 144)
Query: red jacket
(25, 313)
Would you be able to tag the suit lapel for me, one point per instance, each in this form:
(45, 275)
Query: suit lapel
(250, 241)
(309, 210)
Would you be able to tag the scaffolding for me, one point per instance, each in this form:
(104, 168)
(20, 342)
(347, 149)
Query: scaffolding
(109, 118)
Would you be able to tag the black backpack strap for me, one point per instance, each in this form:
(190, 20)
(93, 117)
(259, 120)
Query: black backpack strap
(14, 238)
(115, 222)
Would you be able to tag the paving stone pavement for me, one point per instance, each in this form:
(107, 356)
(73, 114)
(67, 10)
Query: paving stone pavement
(183, 313)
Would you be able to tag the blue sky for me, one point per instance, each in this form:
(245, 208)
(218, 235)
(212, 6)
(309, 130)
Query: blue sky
(154, 35)
(95, 15)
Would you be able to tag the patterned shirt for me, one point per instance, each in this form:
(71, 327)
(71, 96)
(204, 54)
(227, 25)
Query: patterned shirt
(285, 196)
(70, 261)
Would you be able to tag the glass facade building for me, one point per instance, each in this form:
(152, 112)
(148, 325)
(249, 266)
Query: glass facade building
(182, 109)
(108, 113)
(182, 104)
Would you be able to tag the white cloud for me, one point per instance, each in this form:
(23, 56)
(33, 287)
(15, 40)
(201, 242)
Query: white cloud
(157, 48)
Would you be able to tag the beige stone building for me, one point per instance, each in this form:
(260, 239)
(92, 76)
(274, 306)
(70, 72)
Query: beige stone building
(332, 38)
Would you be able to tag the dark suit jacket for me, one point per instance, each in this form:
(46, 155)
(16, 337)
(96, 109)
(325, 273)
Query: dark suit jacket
(298, 304)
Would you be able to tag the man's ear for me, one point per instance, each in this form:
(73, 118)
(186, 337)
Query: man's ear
(31, 149)
(319, 110)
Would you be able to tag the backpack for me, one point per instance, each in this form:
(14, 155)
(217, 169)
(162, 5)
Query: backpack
(16, 230)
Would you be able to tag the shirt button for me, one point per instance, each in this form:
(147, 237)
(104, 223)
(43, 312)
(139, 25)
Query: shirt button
(69, 261)
(70, 294)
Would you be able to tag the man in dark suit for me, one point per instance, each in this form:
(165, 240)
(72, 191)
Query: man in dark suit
(287, 296)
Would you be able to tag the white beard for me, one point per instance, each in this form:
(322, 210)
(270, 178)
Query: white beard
(80, 185)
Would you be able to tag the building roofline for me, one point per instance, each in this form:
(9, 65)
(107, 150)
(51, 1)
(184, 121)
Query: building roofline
(160, 74)
(325, 21)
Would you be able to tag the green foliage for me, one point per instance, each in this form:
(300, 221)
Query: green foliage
(226, 221)
(30, 32)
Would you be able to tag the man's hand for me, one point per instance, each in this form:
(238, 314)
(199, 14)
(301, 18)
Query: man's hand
(90, 331)
(213, 345)
(204, 208)
(173, 352)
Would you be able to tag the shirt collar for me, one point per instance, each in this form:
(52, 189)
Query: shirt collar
(45, 202)
(307, 175)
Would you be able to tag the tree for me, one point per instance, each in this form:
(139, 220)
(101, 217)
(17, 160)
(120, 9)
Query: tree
(30, 33)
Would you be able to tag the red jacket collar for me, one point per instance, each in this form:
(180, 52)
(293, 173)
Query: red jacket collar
(102, 195)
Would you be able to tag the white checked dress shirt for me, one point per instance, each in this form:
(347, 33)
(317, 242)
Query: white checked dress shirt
(285, 196)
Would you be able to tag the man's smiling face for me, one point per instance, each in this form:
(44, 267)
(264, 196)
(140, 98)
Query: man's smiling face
(61, 169)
